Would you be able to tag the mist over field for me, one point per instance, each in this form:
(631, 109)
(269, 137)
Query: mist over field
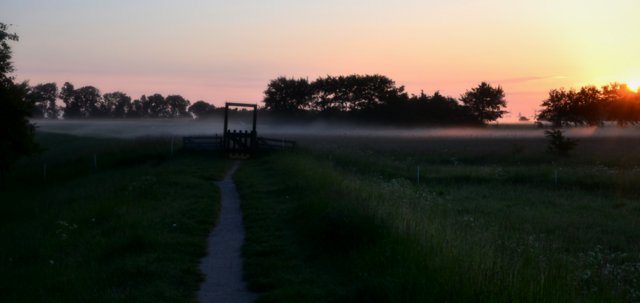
(129, 128)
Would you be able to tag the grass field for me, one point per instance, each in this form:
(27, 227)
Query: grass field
(106, 220)
(345, 218)
(491, 220)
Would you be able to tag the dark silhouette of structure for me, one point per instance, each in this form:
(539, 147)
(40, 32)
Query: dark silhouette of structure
(240, 142)
(237, 143)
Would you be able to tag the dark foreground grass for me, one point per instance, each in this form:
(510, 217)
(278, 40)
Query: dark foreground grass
(353, 226)
(131, 229)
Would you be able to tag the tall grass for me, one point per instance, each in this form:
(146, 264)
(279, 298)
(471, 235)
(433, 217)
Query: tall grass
(480, 232)
(131, 229)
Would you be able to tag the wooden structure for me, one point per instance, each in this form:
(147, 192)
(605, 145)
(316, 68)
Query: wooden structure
(240, 142)
(237, 143)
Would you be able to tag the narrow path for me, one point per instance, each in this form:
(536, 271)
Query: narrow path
(222, 266)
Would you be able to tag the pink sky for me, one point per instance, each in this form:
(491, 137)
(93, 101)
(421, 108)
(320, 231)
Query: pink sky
(220, 51)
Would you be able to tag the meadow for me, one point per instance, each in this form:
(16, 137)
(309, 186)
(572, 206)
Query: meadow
(431, 215)
(106, 220)
(347, 219)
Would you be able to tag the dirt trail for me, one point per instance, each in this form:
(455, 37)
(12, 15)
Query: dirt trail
(222, 266)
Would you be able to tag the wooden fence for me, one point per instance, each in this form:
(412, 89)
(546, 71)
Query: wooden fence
(236, 143)
(240, 142)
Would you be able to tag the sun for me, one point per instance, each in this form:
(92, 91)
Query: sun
(634, 85)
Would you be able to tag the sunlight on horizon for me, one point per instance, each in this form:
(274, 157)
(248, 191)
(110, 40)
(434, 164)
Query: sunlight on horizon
(228, 51)
(634, 85)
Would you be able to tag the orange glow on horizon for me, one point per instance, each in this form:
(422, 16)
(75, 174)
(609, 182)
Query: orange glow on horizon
(234, 48)
(634, 85)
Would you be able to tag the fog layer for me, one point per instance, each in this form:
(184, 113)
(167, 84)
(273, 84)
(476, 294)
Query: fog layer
(156, 127)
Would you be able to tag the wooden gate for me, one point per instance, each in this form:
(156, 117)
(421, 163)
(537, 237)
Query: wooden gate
(237, 143)
(243, 143)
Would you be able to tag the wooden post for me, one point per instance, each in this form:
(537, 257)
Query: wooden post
(225, 135)
(255, 117)
(254, 133)
(226, 117)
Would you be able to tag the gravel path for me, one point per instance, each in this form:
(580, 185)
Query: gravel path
(222, 266)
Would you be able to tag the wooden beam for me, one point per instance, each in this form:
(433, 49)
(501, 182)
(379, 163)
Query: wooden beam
(255, 106)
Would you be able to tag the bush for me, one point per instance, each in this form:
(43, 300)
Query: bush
(558, 143)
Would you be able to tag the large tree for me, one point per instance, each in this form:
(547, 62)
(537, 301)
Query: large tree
(287, 95)
(155, 106)
(177, 106)
(355, 92)
(71, 108)
(485, 102)
(118, 104)
(202, 109)
(332, 94)
(16, 132)
(591, 106)
(622, 104)
(557, 108)
(137, 110)
(43, 97)
(83, 102)
(436, 109)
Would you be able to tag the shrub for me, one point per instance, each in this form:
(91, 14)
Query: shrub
(558, 143)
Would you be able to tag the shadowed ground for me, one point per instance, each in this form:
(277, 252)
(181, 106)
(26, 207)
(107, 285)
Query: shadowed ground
(222, 266)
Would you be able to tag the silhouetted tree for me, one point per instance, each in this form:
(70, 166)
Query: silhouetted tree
(71, 108)
(557, 108)
(423, 109)
(622, 104)
(365, 98)
(326, 95)
(370, 91)
(591, 106)
(588, 105)
(155, 106)
(355, 92)
(6, 66)
(142, 107)
(202, 109)
(16, 133)
(485, 102)
(137, 109)
(441, 109)
(288, 95)
(43, 97)
(177, 106)
(83, 102)
(118, 104)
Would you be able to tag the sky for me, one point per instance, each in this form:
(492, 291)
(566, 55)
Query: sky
(227, 51)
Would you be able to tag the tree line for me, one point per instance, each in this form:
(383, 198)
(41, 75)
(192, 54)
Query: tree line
(376, 98)
(591, 106)
(16, 132)
(362, 98)
(88, 102)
